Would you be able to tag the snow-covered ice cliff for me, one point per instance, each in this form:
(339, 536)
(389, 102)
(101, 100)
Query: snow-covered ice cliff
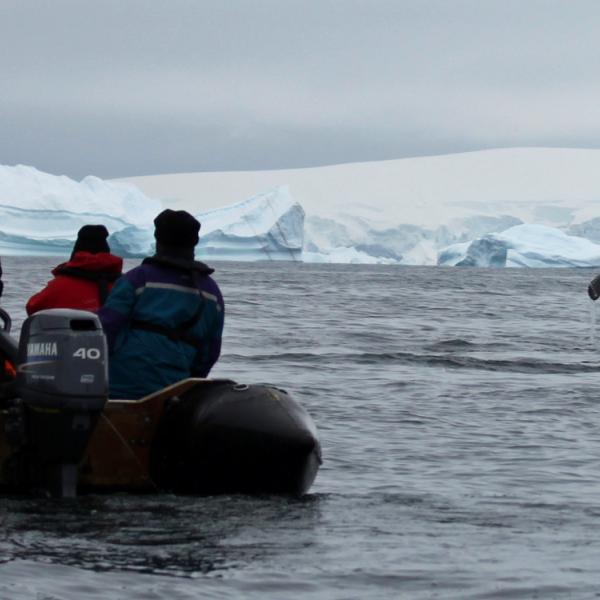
(41, 214)
(268, 226)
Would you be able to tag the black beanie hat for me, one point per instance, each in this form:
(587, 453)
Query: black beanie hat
(92, 238)
(176, 228)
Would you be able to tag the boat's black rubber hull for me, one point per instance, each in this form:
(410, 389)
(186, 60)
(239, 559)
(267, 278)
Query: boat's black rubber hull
(235, 439)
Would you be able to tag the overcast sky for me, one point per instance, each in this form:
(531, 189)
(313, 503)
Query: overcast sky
(133, 87)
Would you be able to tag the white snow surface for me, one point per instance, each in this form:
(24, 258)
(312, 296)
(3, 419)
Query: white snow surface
(545, 185)
(28, 189)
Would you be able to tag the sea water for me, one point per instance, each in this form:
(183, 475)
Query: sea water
(459, 415)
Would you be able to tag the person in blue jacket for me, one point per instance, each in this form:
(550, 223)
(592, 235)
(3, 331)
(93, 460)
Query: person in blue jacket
(164, 319)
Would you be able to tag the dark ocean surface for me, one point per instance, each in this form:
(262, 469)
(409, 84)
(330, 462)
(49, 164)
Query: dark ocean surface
(459, 415)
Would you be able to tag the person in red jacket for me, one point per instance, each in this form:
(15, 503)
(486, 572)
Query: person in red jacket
(86, 279)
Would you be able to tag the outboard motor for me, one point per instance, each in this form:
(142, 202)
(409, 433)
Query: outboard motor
(62, 380)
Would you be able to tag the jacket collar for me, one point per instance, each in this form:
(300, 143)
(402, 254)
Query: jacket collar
(85, 261)
(180, 264)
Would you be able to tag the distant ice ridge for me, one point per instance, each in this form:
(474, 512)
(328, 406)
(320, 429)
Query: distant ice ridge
(360, 240)
(477, 208)
(524, 246)
(489, 243)
(409, 210)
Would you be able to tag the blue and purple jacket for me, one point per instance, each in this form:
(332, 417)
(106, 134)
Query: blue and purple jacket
(165, 295)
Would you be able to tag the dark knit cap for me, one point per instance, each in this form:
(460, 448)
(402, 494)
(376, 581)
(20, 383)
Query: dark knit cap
(92, 238)
(176, 228)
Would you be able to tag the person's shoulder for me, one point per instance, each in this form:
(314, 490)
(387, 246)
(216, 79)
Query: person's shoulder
(136, 276)
(91, 262)
(105, 261)
(209, 285)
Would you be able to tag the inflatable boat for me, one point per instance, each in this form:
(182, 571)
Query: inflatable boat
(61, 435)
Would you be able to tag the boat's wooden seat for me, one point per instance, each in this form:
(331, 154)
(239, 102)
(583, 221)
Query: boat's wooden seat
(161, 395)
(118, 454)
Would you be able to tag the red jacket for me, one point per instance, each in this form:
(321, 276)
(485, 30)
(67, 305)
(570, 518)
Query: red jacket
(78, 283)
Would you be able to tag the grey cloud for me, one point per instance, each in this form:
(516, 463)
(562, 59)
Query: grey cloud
(131, 87)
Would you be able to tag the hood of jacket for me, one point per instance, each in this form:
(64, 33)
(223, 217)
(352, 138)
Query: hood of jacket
(102, 262)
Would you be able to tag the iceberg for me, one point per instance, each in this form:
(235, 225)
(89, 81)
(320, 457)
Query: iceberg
(132, 241)
(328, 240)
(476, 208)
(29, 189)
(485, 252)
(268, 226)
(344, 255)
(587, 229)
(40, 214)
(524, 246)
(409, 210)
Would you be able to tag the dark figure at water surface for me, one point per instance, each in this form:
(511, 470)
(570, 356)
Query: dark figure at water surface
(594, 288)
(84, 281)
(164, 319)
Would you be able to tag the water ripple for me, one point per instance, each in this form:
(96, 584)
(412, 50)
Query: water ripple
(460, 436)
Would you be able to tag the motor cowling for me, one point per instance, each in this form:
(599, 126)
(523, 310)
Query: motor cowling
(62, 379)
